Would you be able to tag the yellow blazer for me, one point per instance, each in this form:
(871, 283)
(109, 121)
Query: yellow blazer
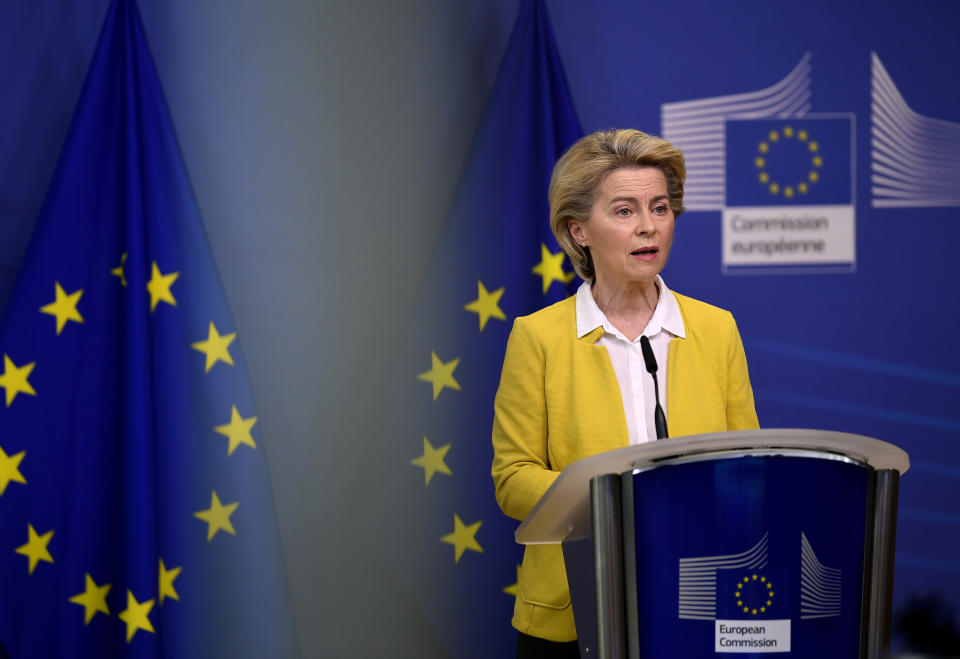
(559, 401)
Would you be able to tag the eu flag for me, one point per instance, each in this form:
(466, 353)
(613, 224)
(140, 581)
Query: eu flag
(789, 162)
(136, 516)
(496, 259)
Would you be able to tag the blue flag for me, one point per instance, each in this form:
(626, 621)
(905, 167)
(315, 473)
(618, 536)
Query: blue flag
(784, 162)
(136, 516)
(496, 259)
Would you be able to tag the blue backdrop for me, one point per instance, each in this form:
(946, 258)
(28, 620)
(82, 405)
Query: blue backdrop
(862, 345)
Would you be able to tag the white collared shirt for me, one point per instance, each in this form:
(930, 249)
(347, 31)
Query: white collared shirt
(636, 385)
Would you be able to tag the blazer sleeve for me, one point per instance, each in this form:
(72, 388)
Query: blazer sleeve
(741, 411)
(521, 465)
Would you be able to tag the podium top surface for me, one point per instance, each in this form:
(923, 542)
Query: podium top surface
(564, 508)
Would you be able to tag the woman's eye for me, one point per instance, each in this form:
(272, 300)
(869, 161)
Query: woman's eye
(660, 210)
(623, 212)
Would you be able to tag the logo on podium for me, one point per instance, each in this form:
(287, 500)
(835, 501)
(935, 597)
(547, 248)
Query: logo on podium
(751, 601)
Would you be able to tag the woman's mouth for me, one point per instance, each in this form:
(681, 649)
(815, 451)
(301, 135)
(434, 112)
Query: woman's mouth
(645, 253)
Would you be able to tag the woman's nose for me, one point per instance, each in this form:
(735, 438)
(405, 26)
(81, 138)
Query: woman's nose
(645, 225)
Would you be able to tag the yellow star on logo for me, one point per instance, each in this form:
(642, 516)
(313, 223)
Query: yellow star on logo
(10, 469)
(167, 577)
(14, 379)
(463, 538)
(136, 615)
(159, 287)
(512, 588)
(432, 461)
(238, 430)
(550, 268)
(93, 599)
(216, 347)
(440, 374)
(217, 517)
(36, 547)
(487, 305)
(63, 307)
(118, 271)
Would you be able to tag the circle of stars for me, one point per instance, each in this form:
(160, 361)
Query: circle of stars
(764, 149)
(760, 588)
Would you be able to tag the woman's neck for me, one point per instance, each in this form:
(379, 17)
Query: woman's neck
(628, 307)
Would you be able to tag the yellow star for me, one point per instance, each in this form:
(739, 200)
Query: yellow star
(754, 612)
(769, 602)
(739, 602)
(764, 147)
(763, 609)
(746, 609)
(817, 161)
(167, 577)
(760, 162)
(217, 517)
(764, 177)
(754, 577)
(432, 461)
(802, 135)
(802, 187)
(118, 271)
(440, 375)
(769, 585)
(487, 305)
(238, 430)
(814, 146)
(136, 615)
(92, 599)
(774, 188)
(774, 136)
(813, 176)
(763, 579)
(216, 347)
(788, 131)
(10, 469)
(788, 192)
(159, 287)
(64, 306)
(550, 268)
(512, 588)
(463, 538)
(36, 547)
(14, 379)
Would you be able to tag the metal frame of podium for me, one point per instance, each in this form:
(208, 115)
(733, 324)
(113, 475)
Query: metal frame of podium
(589, 509)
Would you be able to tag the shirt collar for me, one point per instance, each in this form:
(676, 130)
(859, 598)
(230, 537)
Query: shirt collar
(666, 315)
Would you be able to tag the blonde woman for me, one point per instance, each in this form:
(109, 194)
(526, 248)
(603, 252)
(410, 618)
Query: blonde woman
(574, 382)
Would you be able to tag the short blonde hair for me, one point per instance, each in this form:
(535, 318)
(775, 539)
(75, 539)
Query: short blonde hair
(580, 171)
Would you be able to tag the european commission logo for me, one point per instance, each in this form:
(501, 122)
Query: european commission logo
(789, 198)
(751, 601)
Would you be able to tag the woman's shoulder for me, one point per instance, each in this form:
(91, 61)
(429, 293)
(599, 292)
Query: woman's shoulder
(699, 314)
(551, 320)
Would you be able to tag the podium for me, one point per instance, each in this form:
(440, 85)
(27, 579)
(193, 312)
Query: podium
(730, 544)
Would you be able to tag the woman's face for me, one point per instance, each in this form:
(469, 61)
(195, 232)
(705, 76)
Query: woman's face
(630, 229)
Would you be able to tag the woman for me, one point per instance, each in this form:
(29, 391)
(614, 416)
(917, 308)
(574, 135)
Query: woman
(574, 382)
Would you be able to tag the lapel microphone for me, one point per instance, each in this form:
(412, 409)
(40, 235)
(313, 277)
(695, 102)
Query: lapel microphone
(659, 420)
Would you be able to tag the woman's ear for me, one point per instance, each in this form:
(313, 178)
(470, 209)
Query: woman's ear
(576, 232)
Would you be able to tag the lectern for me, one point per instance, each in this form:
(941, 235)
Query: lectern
(730, 544)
